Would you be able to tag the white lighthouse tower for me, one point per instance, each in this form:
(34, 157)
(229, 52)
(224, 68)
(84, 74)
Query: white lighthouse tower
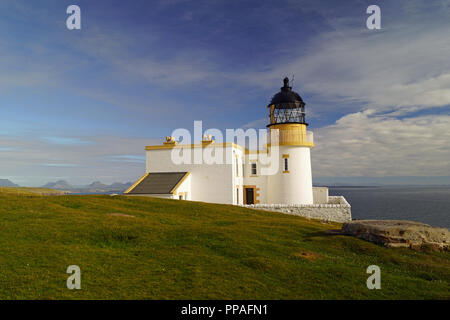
(292, 184)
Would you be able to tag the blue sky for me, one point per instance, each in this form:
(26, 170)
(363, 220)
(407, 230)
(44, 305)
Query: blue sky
(81, 105)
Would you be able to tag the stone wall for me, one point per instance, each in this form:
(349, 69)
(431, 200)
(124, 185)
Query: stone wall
(337, 209)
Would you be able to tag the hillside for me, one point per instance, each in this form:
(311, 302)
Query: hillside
(60, 184)
(31, 191)
(144, 248)
(7, 183)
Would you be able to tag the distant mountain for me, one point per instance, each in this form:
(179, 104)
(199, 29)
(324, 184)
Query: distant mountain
(94, 187)
(99, 187)
(7, 183)
(97, 184)
(121, 186)
(60, 185)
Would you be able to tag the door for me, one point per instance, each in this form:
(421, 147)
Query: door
(249, 196)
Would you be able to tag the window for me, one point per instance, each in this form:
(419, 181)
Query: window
(180, 197)
(237, 195)
(254, 171)
(237, 167)
(243, 169)
(286, 163)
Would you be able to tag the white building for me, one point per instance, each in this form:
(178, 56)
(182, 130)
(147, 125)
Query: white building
(243, 179)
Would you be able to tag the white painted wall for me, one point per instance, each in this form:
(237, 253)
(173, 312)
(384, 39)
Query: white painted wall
(208, 182)
(320, 195)
(237, 175)
(258, 180)
(294, 187)
(220, 183)
(184, 189)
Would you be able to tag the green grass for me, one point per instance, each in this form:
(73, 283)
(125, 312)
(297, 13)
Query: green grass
(172, 249)
(30, 191)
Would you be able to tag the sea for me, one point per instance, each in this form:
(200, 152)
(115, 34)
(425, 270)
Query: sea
(427, 204)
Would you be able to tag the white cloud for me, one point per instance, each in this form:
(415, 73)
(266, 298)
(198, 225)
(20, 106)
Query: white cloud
(260, 123)
(66, 141)
(363, 144)
(401, 68)
(33, 161)
(64, 165)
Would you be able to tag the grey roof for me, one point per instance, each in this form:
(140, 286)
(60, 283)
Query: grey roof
(158, 183)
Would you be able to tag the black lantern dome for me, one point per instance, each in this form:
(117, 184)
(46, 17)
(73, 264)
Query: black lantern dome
(287, 106)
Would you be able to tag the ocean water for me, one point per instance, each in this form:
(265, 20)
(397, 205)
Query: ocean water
(430, 205)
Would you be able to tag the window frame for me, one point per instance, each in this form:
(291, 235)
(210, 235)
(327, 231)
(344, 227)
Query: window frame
(254, 168)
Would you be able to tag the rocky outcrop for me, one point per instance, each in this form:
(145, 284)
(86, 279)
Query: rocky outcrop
(399, 233)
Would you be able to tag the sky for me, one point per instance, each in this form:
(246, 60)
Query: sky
(81, 105)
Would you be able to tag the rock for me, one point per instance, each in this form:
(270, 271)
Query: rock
(399, 233)
(120, 215)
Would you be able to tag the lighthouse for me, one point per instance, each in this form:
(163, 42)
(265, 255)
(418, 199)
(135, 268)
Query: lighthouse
(246, 178)
(292, 184)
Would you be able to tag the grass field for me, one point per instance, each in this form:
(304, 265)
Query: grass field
(144, 248)
(30, 191)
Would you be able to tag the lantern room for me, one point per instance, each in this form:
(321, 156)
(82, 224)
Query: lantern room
(286, 107)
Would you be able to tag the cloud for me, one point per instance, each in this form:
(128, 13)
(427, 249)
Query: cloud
(260, 123)
(64, 165)
(66, 141)
(402, 68)
(127, 158)
(33, 161)
(364, 144)
(376, 77)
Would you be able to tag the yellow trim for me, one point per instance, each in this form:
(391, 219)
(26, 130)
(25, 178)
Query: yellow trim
(174, 189)
(286, 171)
(207, 142)
(171, 146)
(292, 134)
(289, 126)
(136, 183)
(297, 144)
(168, 146)
(170, 140)
(285, 156)
(255, 193)
(247, 151)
